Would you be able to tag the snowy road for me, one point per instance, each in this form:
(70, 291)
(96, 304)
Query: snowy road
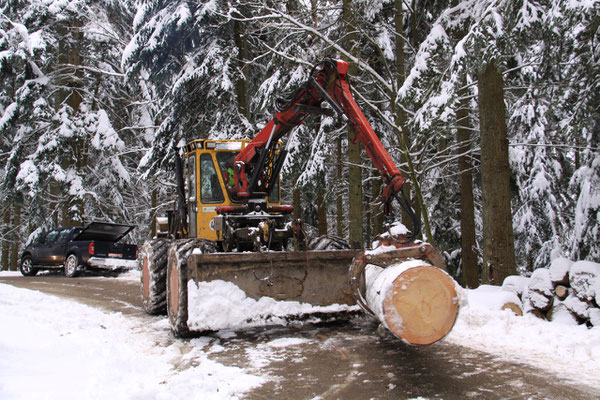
(340, 361)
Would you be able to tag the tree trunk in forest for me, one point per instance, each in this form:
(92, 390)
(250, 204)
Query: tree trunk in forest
(322, 212)
(355, 220)
(470, 268)
(377, 207)
(69, 47)
(16, 223)
(241, 85)
(355, 193)
(339, 196)
(498, 237)
(153, 205)
(470, 274)
(5, 243)
(398, 111)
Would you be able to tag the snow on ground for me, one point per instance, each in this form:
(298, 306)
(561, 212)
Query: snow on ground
(572, 352)
(53, 348)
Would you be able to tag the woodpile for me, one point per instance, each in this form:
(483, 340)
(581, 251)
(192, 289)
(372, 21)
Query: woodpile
(566, 292)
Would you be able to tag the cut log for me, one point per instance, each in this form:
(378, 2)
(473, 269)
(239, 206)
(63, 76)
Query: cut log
(539, 294)
(560, 313)
(559, 270)
(585, 279)
(561, 292)
(537, 313)
(417, 302)
(579, 307)
(594, 317)
(514, 307)
(515, 284)
(495, 298)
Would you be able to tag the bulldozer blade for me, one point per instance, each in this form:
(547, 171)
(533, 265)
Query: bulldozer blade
(235, 290)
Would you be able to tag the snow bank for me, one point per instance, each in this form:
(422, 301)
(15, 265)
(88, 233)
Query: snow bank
(492, 298)
(219, 305)
(56, 349)
(572, 351)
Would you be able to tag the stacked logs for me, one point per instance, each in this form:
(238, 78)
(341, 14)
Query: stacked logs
(567, 292)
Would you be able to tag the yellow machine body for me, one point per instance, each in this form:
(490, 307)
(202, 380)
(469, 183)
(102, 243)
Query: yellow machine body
(208, 169)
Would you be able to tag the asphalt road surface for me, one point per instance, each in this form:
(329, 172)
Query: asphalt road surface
(337, 361)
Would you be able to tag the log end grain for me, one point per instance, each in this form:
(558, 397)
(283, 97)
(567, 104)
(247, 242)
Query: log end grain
(422, 305)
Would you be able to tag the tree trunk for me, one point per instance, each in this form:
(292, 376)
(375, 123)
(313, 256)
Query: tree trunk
(69, 47)
(398, 111)
(467, 206)
(4, 265)
(241, 86)
(339, 195)
(16, 223)
(322, 211)
(153, 205)
(355, 220)
(498, 237)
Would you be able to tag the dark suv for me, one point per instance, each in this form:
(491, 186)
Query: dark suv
(79, 248)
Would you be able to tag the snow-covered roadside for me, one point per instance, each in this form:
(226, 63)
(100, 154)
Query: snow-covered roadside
(571, 352)
(54, 348)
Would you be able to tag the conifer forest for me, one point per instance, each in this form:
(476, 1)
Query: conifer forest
(490, 108)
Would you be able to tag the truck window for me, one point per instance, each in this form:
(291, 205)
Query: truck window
(210, 188)
(51, 238)
(64, 235)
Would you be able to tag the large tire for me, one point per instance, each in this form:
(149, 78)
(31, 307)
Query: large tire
(177, 281)
(153, 267)
(71, 267)
(26, 267)
(328, 242)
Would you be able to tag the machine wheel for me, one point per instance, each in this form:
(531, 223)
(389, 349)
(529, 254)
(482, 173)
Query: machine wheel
(177, 281)
(328, 242)
(71, 265)
(153, 266)
(26, 267)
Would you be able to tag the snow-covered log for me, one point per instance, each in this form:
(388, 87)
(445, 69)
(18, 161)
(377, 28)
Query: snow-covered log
(585, 279)
(578, 307)
(559, 270)
(539, 294)
(560, 313)
(516, 284)
(594, 316)
(495, 298)
(416, 301)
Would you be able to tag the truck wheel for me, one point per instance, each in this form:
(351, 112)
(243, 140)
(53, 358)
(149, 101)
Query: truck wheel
(177, 281)
(153, 265)
(26, 267)
(328, 242)
(71, 265)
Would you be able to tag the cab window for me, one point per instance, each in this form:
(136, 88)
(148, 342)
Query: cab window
(51, 238)
(191, 174)
(210, 188)
(64, 234)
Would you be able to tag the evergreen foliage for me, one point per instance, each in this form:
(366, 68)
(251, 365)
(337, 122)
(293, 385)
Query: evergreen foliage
(96, 96)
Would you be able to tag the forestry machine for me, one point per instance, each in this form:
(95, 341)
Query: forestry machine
(230, 228)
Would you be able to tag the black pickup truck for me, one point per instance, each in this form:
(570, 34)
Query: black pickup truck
(95, 246)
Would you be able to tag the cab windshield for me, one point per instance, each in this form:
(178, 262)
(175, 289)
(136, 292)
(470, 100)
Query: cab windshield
(225, 159)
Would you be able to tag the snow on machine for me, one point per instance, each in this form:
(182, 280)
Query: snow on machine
(220, 259)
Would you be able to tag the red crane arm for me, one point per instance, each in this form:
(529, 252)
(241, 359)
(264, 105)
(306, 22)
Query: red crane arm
(327, 82)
